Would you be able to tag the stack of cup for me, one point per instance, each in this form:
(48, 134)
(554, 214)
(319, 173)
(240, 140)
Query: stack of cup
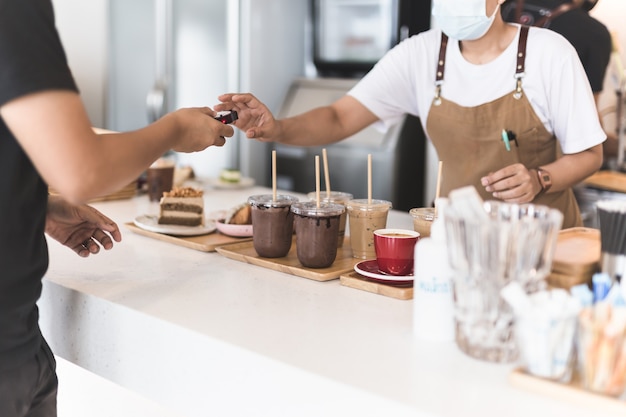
(612, 216)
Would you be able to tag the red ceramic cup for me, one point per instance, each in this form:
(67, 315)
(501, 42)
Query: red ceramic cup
(395, 250)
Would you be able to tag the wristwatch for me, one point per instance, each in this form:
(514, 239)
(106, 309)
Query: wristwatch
(545, 180)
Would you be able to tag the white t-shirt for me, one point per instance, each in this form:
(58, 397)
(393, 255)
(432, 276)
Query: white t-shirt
(403, 81)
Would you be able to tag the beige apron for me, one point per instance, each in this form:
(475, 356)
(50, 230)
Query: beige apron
(469, 141)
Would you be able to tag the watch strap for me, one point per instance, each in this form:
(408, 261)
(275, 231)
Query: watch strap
(545, 180)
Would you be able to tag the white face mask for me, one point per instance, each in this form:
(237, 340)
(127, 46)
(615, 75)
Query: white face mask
(463, 20)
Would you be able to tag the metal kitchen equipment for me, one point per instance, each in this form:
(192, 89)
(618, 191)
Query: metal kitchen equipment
(350, 36)
(346, 38)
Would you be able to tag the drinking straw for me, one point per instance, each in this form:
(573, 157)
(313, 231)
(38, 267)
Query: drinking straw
(274, 175)
(317, 180)
(438, 188)
(369, 178)
(326, 175)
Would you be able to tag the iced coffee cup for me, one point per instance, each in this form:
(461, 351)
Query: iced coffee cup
(364, 217)
(336, 197)
(423, 218)
(317, 229)
(272, 222)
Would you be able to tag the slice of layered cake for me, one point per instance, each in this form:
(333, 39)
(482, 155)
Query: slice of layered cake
(182, 206)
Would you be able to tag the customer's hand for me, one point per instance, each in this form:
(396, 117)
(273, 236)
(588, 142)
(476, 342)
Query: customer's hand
(197, 129)
(254, 118)
(513, 184)
(81, 228)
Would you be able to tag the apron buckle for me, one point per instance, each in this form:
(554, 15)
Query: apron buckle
(437, 99)
(518, 89)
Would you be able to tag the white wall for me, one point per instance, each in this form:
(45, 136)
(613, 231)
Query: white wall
(82, 26)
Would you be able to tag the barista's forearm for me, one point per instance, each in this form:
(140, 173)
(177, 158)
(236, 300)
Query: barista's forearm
(326, 125)
(316, 127)
(571, 169)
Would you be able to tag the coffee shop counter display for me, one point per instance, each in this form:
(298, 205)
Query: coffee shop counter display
(202, 334)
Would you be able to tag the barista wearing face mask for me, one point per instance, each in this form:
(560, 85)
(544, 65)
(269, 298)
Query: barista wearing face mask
(508, 108)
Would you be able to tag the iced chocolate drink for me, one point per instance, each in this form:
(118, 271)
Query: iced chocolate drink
(364, 218)
(336, 197)
(272, 224)
(317, 229)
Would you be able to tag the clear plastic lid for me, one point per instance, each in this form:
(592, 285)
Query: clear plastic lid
(267, 200)
(310, 209)
(335, 197)
(365, 205)
(424, 213)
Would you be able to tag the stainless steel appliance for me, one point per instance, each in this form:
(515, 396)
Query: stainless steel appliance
(348, 38)
(167, 54)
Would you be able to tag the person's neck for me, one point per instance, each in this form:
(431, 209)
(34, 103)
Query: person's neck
(490, 46)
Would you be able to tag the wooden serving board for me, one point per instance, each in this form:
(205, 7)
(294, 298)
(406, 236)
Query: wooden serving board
(356, 280)
(204, 243)
(577, 251)
(289, 264)
(608, 180)
(571, 393)
(567, 281)
(126, 192)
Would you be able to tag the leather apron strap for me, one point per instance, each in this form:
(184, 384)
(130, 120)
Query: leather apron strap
(469, 141)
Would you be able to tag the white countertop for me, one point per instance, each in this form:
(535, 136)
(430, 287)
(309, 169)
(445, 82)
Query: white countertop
(203, 335)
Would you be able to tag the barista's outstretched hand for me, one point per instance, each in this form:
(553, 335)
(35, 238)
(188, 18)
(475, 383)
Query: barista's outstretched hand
(254, 118)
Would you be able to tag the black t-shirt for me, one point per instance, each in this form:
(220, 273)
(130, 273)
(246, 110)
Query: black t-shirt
(31, 59)
(590, 38)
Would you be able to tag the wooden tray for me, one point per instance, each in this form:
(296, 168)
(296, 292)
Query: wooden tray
(126, 192)
(358, 281)
(204, 243)
(567, 281)
(571, 393)
(608, 180)
(289, 264)
(577, 251)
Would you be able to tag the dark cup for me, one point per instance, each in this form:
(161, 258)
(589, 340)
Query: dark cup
(160, 179)
(272, 224)
(317, 229)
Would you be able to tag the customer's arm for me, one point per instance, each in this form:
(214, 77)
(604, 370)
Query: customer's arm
(54, 130)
